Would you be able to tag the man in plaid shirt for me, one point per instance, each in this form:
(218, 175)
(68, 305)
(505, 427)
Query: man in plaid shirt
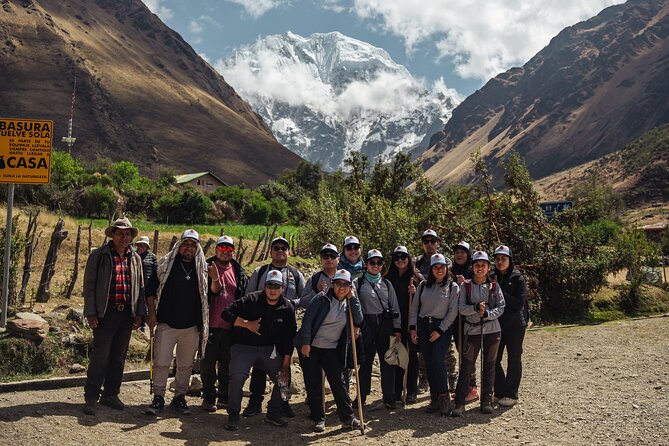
(114, 305)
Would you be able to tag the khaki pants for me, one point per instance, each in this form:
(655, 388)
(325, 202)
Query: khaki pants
(186, 340)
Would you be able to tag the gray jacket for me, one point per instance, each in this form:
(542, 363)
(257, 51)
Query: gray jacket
(440, 302)
(293, 281)
(378, 297)
(488, 292)
(98, 276)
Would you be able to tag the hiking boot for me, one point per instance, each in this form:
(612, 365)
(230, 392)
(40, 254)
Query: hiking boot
(390, 405)
(90, 407)
(287, 411)
(275, 420)
(179, 404)
(445, 404)
(458, 410)
(376, 406)
(486, 407)
(319, 426)
(157, 405)
(209, 406)
(112, 401)
(473, 395)
(411, 398)
(434, 404)
(251, 410)
(353, 423)
(233, 422)
(507, 402)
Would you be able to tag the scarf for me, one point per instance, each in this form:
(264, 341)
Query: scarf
(354, 268)
(372, 278)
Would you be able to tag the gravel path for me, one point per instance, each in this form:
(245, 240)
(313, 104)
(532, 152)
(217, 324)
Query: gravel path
(606, 384)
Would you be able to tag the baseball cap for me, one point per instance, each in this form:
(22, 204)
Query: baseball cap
(504, 250)
(225, 240)
(278, 240)
(372, 253)
(430, 233)
(191, 233)
(480, 255)
(351, 240)
(329, 247)
(342, 274)
(274, 276)
(464, 245)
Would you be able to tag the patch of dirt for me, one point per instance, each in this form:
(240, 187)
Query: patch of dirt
(605, 384)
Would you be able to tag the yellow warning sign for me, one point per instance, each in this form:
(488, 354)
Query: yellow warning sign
(25, 151)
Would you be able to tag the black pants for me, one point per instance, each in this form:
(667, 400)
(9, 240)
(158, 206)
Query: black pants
(215, 365)
(412, 370)
(329, 361)
(257, 388)
(110, 347)
(507, 385)
(471, 348)
(375, 335)
(458, 333)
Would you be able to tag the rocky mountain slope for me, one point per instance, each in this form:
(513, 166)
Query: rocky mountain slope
(328, 94)
(596, 87)
(143, 94)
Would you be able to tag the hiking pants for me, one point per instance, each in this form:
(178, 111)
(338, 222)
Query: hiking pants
(471, 348)
(512, 339)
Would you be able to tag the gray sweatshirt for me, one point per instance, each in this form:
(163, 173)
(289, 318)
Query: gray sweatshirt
(440, 302)
(494, 308)
(308, 293)
(369, 298)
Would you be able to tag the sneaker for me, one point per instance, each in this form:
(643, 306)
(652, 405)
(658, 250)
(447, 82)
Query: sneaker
(251, 410)
(112, 401)
(507, 402)
(423, 385)
(411, 398)
(319, 426)
(209, 406)
(287, 411)
(233, 422)
(156, 405)
(458, 410)
(376, 406)
(473, 395)
(179, 404)
(353, 423)
(275, 420)
(390, 406)
(486, 408)
(90, 407)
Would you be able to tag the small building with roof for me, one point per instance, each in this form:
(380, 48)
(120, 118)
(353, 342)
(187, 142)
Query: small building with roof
(205, 182)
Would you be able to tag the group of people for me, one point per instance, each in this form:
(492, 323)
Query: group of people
(245, 326)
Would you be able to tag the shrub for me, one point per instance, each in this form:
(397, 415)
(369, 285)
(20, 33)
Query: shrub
(98, 201)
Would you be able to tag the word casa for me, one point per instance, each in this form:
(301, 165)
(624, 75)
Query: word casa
(17, 162)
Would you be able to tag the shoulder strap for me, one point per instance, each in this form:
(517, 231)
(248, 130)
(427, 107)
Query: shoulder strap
(314, 281)
(468, 287)
(263, 269)
(419, 291)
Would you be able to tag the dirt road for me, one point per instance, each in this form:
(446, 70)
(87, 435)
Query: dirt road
(606, 384)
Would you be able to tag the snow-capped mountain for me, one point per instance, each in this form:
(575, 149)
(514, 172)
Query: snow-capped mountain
(326, 95)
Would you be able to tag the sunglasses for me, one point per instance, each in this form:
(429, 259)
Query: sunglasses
(378, 263)
(224, 248)
(398, 257)
(329, 256)
(273, 286)
(352, 247)
(279, 248)
(429, 241)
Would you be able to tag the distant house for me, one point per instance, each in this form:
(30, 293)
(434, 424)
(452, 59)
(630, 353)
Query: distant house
(205, 182)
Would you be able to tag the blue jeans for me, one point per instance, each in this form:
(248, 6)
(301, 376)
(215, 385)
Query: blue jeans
(434, 354)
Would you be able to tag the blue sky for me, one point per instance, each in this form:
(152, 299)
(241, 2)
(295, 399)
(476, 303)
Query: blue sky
(462, 42)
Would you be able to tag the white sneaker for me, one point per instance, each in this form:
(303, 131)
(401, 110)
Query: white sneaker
(507, 402)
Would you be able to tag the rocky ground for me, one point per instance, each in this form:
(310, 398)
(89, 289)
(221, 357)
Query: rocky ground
(606, 384)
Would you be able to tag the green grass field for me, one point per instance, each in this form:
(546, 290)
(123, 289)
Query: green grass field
(231, 229)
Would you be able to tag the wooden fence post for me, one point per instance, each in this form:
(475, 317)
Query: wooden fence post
(75, 273)
(44, 290)
(173, 242)
(31, 246)
(208, 245)
(255, 250)
(155, 242)
(90, 237)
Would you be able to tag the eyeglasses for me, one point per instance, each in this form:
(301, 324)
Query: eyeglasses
(373, 263)
(398, 257)
(273, 286)
(279, 248)
(429, 241)
(224, 248)
(352, 247)
(329, 256)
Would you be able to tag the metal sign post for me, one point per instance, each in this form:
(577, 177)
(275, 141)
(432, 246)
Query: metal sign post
(25, 158)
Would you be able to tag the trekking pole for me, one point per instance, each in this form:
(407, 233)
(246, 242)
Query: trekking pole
(150, 361)
(355, 371)
(323, 388)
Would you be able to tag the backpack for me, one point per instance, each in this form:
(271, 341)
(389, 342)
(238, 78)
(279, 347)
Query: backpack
(314, 281)
(421, 286)
(263, 269)
(468, 287)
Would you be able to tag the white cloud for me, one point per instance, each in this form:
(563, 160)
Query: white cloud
(205, 57)
(195, 27)
(158, 8)
(483, 38)
(256, 8)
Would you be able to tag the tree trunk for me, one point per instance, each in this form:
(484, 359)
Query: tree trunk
(31, 246)
(75, 273)
(44, 290)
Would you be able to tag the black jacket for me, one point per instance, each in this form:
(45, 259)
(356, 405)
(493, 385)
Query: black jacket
(240, 274)
(401, 286)
(514, 288)
(277, 325)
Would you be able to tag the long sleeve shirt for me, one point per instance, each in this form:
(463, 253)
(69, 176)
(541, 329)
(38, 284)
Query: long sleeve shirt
(437, 301)
(376, 298)
(493, 297)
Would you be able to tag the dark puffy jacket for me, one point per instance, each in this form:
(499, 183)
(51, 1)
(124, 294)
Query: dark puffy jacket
(514, 288)
(149, 265)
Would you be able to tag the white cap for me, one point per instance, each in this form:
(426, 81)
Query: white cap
(439, 259)
(143, 239)
(351, 240)
(191, 233)
(274, 276)
(502, 250)
(281, 240)
(480, 255)
(342, 274)
(374, 253)
(225, 240)
(464, 245)
(401, 249)
(329, 247)
(430, 233)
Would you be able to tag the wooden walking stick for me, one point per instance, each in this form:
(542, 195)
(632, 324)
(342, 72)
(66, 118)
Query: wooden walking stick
(323, 389)
(150, 361)
(406, 371)
(355, 370)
